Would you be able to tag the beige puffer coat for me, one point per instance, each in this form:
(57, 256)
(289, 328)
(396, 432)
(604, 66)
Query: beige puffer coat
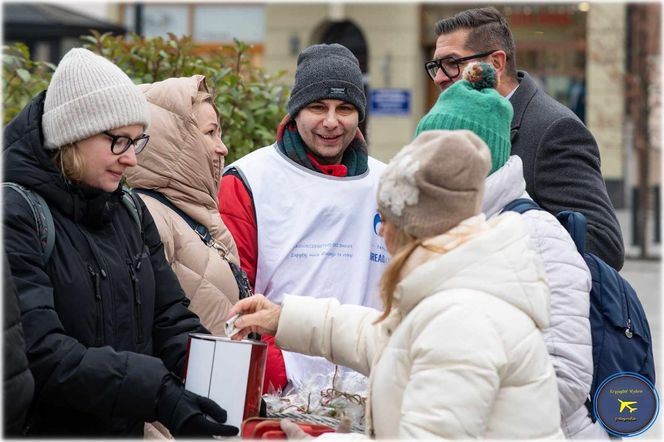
(178, 163)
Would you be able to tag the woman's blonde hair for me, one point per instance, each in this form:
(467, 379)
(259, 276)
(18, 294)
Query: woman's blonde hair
(204, 97)
(404, 245)
(69, 162)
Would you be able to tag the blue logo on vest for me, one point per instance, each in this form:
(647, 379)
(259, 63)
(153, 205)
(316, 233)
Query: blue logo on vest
(626, 404)
(376, 223)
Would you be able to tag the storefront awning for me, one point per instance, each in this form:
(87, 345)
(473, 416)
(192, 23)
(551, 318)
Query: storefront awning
(40, 21)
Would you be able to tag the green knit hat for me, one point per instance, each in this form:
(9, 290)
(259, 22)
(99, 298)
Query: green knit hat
(474, 104)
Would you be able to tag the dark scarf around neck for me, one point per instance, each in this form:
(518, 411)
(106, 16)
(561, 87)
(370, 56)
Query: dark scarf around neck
(290, 142)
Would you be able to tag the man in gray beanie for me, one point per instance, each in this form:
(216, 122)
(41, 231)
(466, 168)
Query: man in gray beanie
(302, 211)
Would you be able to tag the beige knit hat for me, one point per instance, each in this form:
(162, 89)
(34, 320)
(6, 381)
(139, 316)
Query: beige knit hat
(88, 95)
(435, 182)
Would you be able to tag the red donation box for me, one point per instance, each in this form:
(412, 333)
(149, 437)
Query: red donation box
(228, 372)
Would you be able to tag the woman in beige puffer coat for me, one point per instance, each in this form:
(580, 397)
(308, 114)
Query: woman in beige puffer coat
(184, 163)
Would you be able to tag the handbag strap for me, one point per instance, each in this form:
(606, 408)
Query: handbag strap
(240, 275)
(200, 229)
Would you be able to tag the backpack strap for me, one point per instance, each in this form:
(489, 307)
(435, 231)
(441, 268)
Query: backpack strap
(42, 215)
(574, 222)
(130, 201)
(521, 205)
(576, 225)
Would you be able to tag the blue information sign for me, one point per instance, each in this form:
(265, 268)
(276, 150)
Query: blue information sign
(389, 102)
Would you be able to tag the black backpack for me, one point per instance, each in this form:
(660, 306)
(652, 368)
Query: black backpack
(620, 331)
(44, 218)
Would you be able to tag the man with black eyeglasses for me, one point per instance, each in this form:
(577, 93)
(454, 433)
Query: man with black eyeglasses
(561, 161)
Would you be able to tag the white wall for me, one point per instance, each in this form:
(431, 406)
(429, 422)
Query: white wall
(98, 10)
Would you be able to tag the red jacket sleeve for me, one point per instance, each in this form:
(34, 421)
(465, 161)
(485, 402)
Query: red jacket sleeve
(236, 208)
(275, 369)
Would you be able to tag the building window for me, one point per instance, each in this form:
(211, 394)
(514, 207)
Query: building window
(214, 23)
(158, 20)
(206, 23)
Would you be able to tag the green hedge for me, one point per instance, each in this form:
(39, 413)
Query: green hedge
(250, 100)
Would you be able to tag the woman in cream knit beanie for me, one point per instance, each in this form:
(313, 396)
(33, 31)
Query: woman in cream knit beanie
(89, 102)
(87, 96)
(104, 317)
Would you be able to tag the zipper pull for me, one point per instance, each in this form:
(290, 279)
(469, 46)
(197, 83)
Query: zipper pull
(134, 281)
(137, 298)
(100, 311)
(628, 330)
(95, 276)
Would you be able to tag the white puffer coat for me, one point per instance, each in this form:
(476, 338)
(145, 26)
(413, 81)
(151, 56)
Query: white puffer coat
(461, 355)
(568, 337)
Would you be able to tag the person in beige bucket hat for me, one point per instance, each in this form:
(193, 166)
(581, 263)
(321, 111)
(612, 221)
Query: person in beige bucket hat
(465, 302)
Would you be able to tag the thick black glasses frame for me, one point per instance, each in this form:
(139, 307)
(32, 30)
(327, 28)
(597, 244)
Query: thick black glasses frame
(138, 143)
(439, 63)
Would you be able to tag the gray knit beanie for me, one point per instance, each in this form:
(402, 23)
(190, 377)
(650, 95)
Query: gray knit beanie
(435, 182)
(88, 95)
(327, 72)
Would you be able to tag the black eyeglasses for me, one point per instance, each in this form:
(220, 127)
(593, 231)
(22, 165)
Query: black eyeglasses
(450, 65)
(120, 143)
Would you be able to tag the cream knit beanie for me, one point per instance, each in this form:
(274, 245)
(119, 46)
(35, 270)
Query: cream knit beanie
(435, 182)
(88, 95)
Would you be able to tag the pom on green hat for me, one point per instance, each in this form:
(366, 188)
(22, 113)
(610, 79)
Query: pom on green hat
(480, 75)
(474, 104)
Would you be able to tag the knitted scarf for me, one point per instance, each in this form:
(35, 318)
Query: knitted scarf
(355, 156)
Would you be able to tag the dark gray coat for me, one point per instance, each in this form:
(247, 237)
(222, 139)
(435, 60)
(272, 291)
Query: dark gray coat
(561, 165)
(18, 383)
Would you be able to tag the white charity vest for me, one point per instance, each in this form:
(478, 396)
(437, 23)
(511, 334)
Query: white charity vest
(317, 236)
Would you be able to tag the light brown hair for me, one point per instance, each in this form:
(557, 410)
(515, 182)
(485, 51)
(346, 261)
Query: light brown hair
(404, 246)
(204, 97)
(69, 162)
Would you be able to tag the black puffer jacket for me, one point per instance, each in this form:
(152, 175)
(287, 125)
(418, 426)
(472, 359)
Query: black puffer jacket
(18, 385)
(105, 319)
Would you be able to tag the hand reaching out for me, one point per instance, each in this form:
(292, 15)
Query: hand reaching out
(257, 315)
(292, 431)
